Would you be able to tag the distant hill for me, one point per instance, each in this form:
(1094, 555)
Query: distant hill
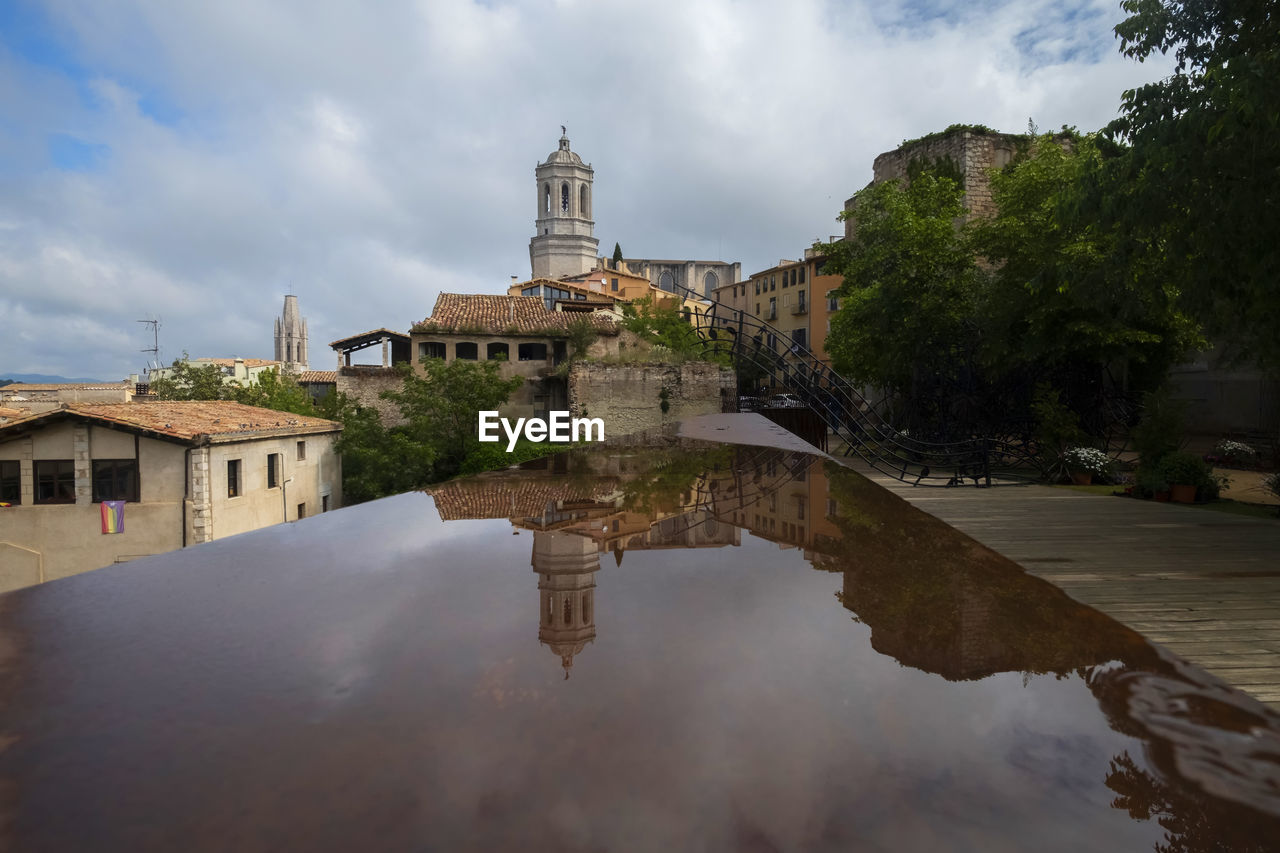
(45, 377)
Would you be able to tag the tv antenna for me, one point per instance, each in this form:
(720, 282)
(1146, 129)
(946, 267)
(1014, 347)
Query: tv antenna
(154, 349)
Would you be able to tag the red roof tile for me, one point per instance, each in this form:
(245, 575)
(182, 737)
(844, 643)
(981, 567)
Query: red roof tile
(498, 315)
(219, 420)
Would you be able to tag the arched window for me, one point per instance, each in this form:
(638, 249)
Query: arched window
(709, 282)
(667, 281)
(568, 610)
(498, 352)
(584, 203)
(466, 350)
(564, 198)
(546, 199)
(430, 349)
(586, 608)
(288, 351)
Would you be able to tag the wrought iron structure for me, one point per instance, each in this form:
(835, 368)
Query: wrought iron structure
(980, 460)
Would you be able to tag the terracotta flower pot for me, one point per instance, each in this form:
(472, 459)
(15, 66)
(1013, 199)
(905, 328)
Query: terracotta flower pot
(1183, 494)
(1082, 478)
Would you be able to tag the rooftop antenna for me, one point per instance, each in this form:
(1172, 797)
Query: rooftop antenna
(154, 349)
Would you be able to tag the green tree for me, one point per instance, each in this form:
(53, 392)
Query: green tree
(185, 381)
(1055, 302)
(441, 409)
(617, 255)
(1200, 153)
(909, 283)
(662, 323)
(581, 333)
(275, 390)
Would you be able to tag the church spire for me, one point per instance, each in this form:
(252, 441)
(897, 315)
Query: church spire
(291, 337)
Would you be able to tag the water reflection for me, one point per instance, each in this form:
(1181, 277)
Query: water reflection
(767, 653)
(934, 600)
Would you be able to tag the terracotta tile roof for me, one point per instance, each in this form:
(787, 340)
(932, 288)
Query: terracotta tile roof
(6, 412)
(511, 498)
(215, 420)
(230, 362)
(498, 315)
(317, 376)
(68, 386)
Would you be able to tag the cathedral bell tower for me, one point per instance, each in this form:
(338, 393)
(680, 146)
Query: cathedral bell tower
(563, 244)
(566, 565)
(291, 337)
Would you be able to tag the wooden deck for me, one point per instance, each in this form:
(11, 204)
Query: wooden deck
(1205, 585)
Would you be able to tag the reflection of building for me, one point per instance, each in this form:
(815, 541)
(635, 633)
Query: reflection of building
(566, 567)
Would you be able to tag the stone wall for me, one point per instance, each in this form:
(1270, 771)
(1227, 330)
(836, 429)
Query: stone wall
(628, 397)
(974, 153)
(365, 384)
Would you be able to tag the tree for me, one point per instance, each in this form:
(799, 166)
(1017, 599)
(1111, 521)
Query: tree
(582, 333)
(441, 409)
(617, 255)
(274, 390)
(909, 284)
(188, 382)
(660, 322)
(1200, 153)
(1055, 303)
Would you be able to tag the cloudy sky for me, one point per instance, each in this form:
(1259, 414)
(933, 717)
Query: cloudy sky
(196, 161)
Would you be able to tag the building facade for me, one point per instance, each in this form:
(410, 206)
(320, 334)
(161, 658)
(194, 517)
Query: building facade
(186, 472)
(519, 331)
(563, 243)
(702, 277)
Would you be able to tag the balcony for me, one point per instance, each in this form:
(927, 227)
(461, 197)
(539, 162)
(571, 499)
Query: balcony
(771, 313)
(800, 308)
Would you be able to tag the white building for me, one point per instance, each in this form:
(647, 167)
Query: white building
(187, 472)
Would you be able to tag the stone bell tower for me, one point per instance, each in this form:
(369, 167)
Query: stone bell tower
(563, 244)
(566, 565)
(291, 337)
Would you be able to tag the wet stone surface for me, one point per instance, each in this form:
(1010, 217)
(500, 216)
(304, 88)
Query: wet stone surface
(683, 646)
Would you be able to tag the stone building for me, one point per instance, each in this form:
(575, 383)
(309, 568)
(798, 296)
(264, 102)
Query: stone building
(187, 472)
(36, 397)
(291, 337)
(564, 243)
(519, 331)
(701, 277)
(972, 152)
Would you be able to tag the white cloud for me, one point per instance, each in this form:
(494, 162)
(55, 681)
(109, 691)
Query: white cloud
(367, 158)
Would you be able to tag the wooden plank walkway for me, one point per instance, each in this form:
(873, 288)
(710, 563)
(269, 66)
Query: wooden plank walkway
(1205, 585)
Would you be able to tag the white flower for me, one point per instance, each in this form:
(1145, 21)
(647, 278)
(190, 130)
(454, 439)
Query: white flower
(1087, 459)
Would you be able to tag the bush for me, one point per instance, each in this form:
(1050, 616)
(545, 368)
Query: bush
(1088, 459)
(1184, 469)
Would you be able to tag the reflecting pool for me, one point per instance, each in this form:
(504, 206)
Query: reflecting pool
(680, 646)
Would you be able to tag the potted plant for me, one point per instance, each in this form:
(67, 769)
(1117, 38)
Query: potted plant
(1085, 463)
(1185, 473)
(1236, 454)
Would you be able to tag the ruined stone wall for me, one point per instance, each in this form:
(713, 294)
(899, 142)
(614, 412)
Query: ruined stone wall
(365, 384)
(974, 153)
(629, 396)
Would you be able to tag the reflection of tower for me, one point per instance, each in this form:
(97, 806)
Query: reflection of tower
(566, 565)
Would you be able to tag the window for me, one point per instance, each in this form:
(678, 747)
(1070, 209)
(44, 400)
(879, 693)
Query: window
(466, 350)
(546, 198)
(667, 281)
(613, 285)
(11, 482)
(115, 480)
(302, 510)
(800, 506)
(324, 503)
(233, 478)
(800, 337)
(430, 349)
(273, 470)
(757, 288)
(802, 269)
(709, 281)
(532, 352)
(536, 290)
(55, 481)
(302, 451)
(833, 304)
(584, 206)
(773, 282)
(564, 198)
(498, 352)
(800, 299)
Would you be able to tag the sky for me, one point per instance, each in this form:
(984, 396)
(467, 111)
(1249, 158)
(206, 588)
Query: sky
(195, 162)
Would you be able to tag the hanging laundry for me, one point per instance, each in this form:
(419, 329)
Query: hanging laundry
(113, 516)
